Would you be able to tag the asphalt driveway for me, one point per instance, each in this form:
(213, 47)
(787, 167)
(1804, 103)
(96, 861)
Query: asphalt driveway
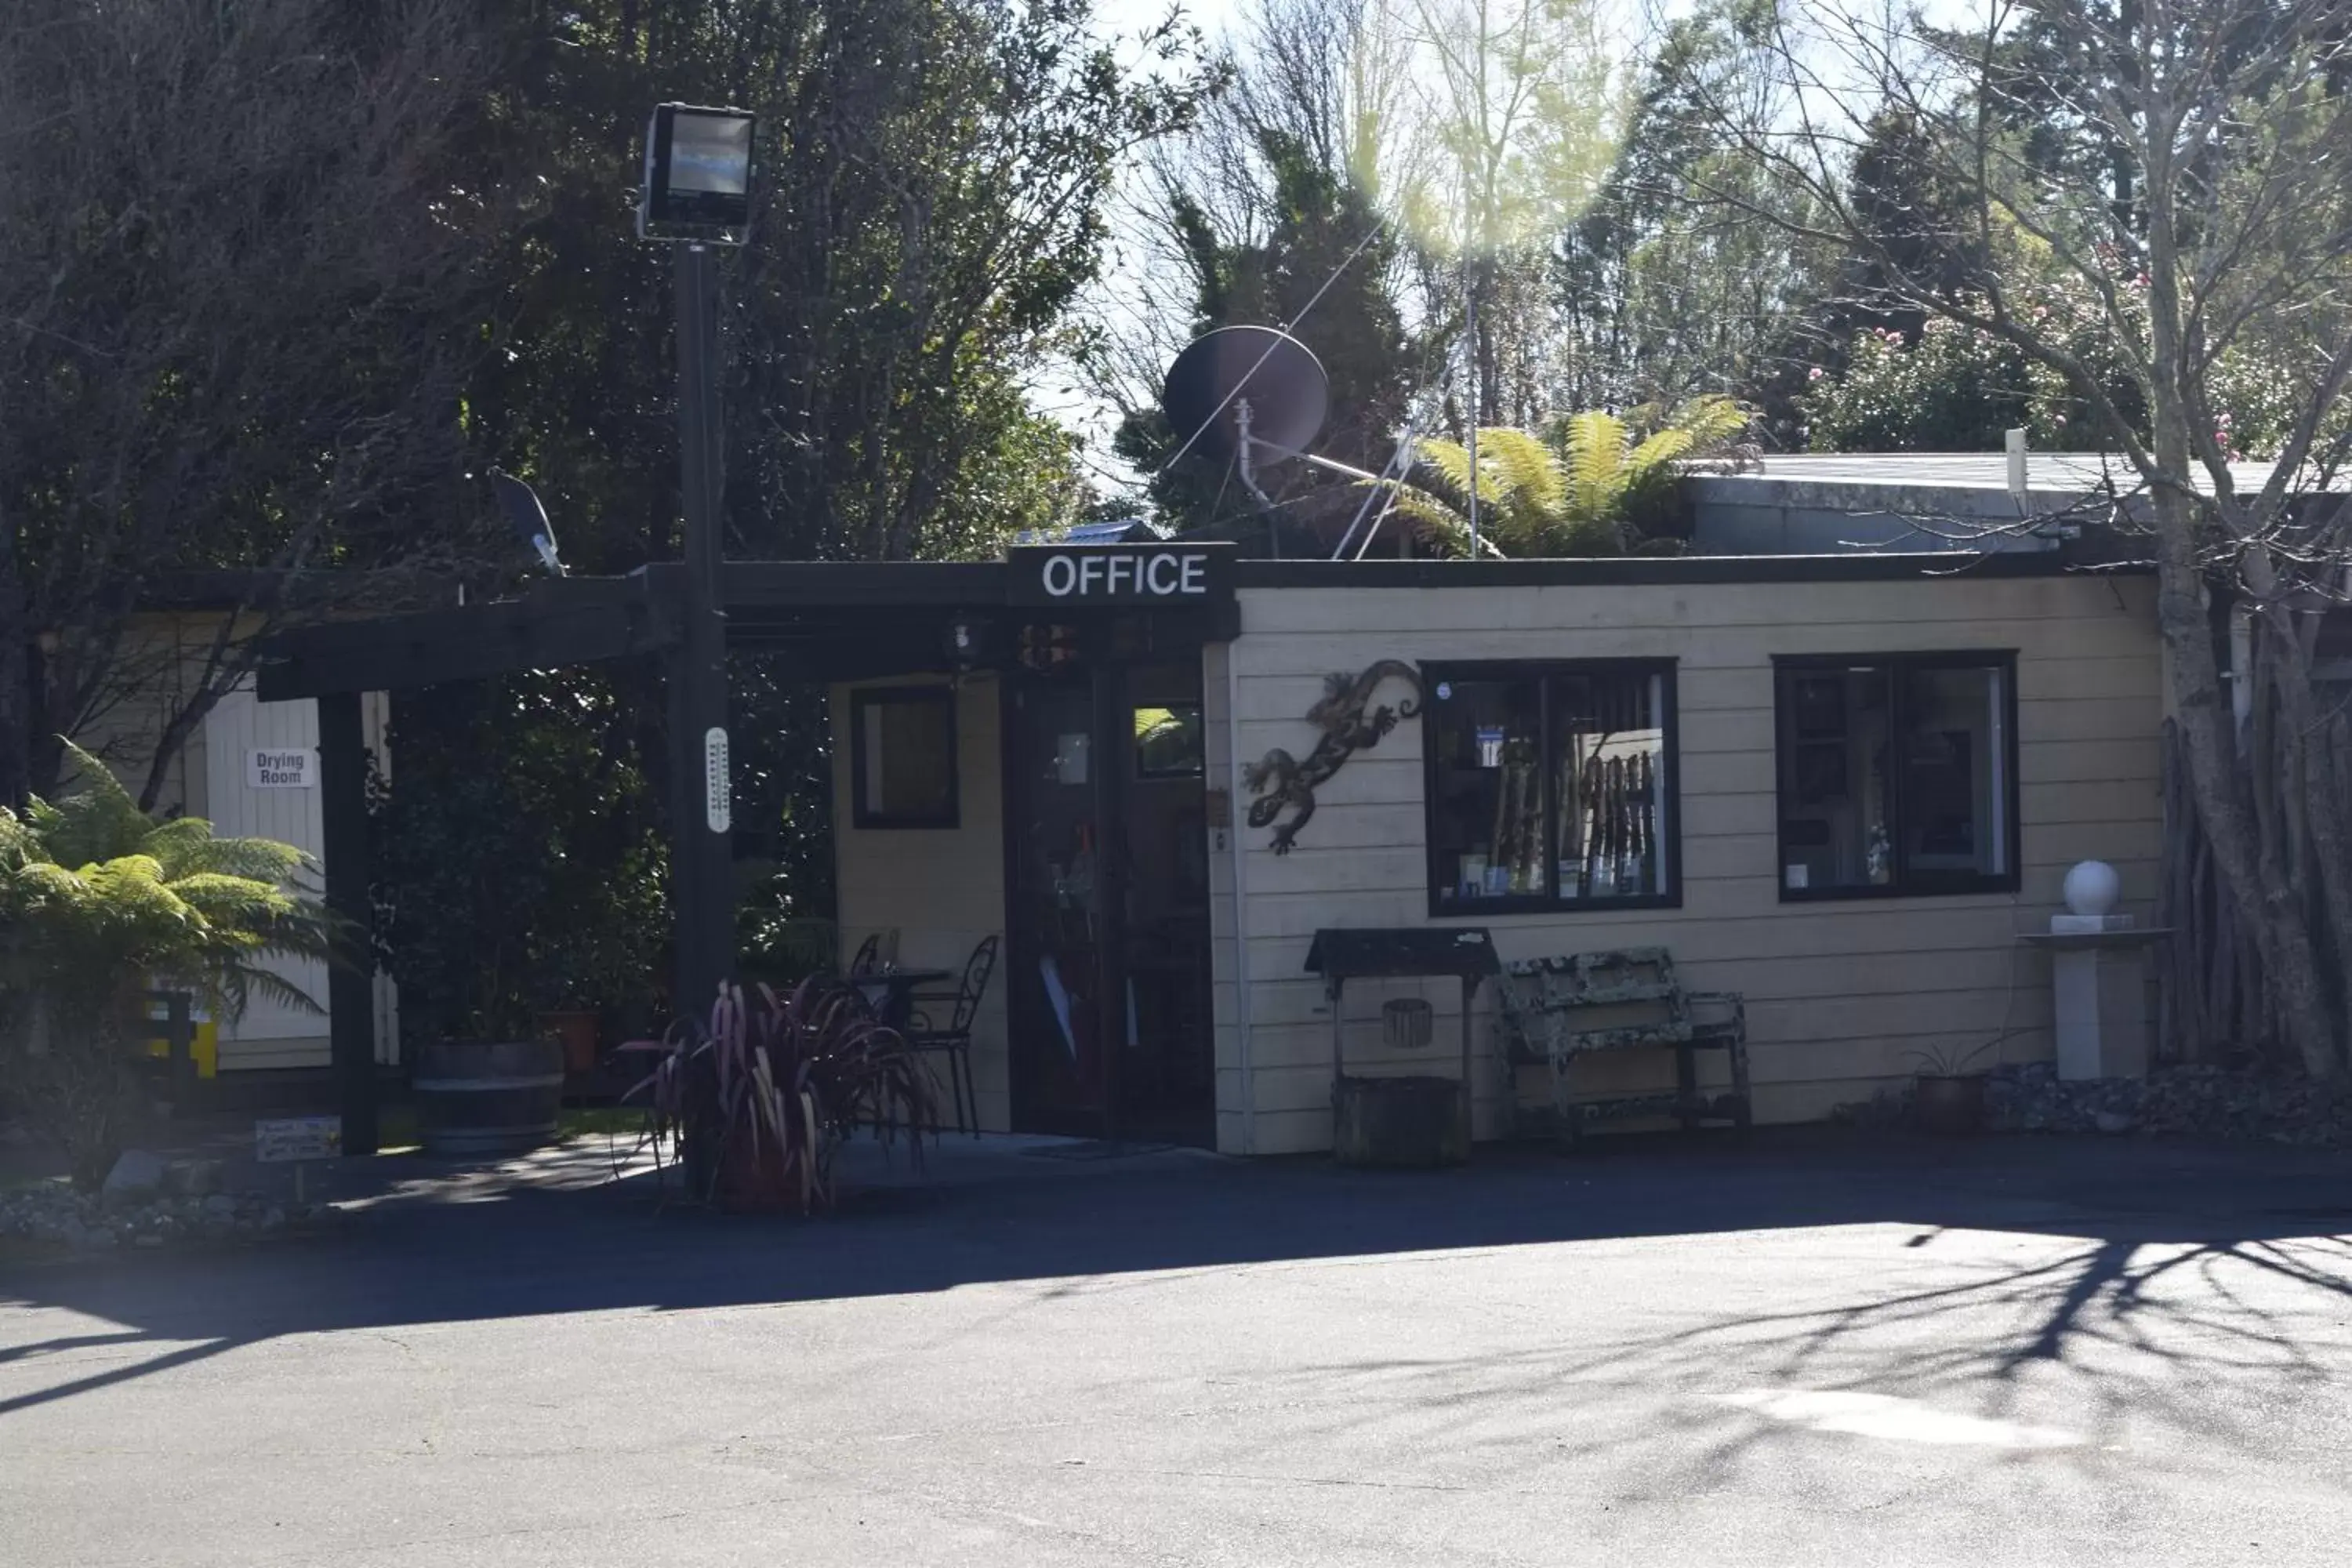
(1812, 1349)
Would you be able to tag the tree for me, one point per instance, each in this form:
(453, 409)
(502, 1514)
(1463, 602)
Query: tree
(1523, 103)
(1324, 246)
(1271, 210)
(221, 227)
(928, 186)
(1593, 485)
(97, 902)
(1660, 293)
(2224, 121)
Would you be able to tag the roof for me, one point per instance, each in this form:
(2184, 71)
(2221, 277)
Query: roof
(1828, 501)
(2076, 473)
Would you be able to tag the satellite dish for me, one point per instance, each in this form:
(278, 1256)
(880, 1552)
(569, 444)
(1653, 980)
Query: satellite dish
(527, 517)
(1268, 377)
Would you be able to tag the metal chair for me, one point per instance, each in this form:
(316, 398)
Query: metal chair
(868, 955)
(954, 1041)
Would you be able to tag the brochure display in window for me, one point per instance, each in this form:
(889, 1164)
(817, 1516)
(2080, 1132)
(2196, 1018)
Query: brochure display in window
(1549, 786)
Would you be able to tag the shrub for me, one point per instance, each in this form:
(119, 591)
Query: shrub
(99, 902)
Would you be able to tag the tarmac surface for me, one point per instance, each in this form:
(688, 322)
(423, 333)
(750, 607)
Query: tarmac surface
(1810, 1348)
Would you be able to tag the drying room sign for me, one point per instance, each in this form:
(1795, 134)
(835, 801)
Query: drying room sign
(1080, 575)
(295, 767)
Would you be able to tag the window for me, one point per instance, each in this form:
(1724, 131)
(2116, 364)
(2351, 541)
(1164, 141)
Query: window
(1167, 741)
(902, 759)
(1897, 774)
(1549, 786)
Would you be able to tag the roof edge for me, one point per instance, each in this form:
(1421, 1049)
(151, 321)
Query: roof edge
(1625, 570)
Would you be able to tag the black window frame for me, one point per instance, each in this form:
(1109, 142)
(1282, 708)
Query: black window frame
(1917, 885)
(860, 702)
(1544, 670)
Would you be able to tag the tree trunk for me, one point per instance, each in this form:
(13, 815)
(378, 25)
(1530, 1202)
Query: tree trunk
(2327, 844)
(16, 703)
(2266, 905)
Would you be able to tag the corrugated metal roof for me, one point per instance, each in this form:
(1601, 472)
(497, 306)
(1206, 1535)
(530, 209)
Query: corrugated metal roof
(2076, 473)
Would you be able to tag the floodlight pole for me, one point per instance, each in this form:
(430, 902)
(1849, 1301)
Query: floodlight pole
(702, 870)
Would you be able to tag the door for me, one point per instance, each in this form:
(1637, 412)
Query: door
(1092, 915)
(244, 800)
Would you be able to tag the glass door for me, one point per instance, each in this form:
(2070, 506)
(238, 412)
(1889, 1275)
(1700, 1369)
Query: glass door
(1092, 915)
(1052, 920)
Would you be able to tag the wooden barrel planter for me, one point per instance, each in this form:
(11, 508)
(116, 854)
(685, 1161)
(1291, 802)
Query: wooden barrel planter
(475, 1099)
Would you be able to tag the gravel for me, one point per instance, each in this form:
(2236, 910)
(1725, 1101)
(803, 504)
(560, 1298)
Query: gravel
(53, 1212)
(2200, 1101)
(2172, 1101)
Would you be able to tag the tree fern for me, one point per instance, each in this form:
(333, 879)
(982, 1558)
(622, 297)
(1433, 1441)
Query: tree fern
(1572, 494)
(98, 901)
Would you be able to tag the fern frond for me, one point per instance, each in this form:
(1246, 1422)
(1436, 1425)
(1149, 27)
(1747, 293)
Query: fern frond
(1529, 477)
(1594, 442)
(1452, 461)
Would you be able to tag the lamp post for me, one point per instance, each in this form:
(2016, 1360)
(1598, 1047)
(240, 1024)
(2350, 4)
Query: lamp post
(696, 196)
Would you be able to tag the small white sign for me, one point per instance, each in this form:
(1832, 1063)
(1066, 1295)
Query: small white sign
(718, 791)
(297, 1138)
(291, 767)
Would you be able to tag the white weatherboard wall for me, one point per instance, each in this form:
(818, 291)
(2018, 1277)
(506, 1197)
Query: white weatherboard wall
(1838, 994)
(275, 1033)
(940, 888)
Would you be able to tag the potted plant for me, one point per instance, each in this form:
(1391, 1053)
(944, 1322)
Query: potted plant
(100, 901)
(1950, 1097)
(574, 1026)
(768, 1090)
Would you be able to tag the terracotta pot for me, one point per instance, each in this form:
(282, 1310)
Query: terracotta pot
(1954, 1105)
(576, 1029)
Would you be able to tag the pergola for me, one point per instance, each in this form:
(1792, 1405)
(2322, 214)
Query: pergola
(828, 621)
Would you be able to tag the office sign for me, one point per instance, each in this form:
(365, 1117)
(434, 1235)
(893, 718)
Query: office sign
(1083, 576)
(287, 767)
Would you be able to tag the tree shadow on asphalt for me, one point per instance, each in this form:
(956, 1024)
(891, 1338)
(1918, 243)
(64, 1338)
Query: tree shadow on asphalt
(2053, 1359)
(2253, 1225)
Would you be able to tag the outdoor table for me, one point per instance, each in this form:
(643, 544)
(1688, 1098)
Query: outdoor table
(891, 992)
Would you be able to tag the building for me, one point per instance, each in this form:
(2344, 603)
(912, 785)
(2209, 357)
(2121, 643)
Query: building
(1827, 766)
(1842, 785)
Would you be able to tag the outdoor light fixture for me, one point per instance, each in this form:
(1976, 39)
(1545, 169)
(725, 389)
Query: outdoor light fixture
(697, 175)
(527, 517)
(967, 642)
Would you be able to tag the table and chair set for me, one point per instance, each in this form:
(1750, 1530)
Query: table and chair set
(934, 1021)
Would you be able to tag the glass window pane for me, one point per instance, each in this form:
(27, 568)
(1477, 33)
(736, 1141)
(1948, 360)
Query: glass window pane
(1609, 749)
(908, 757)
(1954, 797)
(1167, 741)
(1486, 818)
(1835, 806)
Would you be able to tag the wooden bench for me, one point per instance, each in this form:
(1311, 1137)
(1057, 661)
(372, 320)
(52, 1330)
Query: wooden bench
(1554, 1010)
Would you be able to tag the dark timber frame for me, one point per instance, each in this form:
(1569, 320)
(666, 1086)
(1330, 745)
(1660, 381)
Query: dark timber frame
(828, 620)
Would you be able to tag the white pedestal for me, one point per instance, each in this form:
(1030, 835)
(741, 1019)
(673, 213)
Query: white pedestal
(2098, 988)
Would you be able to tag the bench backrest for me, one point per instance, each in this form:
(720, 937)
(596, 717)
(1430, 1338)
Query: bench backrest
(1594, 1001)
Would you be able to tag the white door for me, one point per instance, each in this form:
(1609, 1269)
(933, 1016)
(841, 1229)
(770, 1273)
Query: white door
(248, 797)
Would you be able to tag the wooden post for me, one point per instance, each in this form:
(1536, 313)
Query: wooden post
(1113, 744)
(351, 981)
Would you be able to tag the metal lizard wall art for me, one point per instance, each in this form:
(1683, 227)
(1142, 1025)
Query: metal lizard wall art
(1348, 724)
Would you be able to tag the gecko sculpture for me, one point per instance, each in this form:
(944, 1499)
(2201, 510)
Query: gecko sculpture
(1348, 724)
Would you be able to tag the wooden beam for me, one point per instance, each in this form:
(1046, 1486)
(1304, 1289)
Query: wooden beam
(351, 981)
(399, 652)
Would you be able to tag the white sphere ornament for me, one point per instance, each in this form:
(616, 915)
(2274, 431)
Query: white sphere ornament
(2091, 888)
